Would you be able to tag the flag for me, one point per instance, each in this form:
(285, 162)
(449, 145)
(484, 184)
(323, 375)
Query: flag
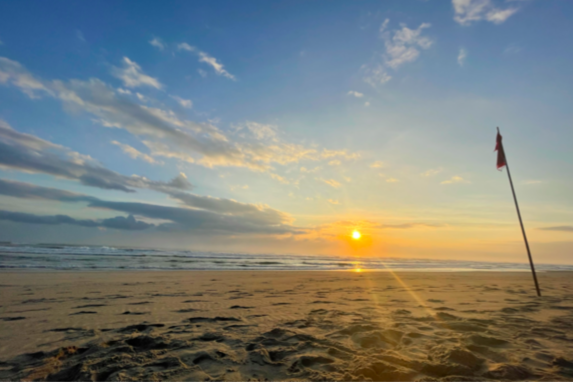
(500, 153)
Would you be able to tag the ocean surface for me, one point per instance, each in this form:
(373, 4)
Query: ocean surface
(69, 257)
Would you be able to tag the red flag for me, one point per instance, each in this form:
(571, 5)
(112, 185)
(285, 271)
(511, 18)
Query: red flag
(500, 153)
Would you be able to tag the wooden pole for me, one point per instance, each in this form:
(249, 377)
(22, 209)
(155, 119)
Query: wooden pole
(521, 223)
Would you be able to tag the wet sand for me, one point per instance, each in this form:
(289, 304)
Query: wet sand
(199, 325)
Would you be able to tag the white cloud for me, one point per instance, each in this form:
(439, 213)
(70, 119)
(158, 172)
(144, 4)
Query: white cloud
(207, 59)
(454, 179)
(469, 11)
(217, 66)
(156, 42)
(186, 103)
(123, 91)
(376, 76)
(132, 76)
(366, 104)
(185, 46)
(134, 153)
(202, 73)
(355, 94)
(462, 56)
(401, 47)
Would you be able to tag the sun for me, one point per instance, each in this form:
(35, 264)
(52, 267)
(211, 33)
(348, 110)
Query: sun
(356, 235)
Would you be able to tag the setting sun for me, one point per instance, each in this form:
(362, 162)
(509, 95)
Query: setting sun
(356, 235)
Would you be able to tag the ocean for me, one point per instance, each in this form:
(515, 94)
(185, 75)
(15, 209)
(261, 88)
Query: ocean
(70, 257)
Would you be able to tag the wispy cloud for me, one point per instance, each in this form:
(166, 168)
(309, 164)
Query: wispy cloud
(28, 153)
(454, 179)
(432, 172)
(333, 201)
(392, 180)
(80, 36)
(186, 103)
(355, 94)
(467, 12)
(561, 228)
(132, 76)
(207, 59)
(402, 46)
(462, 55)
(216, 65)
(165, 132)
(330, 182)
(134, 153)
(156, 42)
(377, 164)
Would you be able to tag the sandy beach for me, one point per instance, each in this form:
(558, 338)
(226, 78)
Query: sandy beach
(285, 325)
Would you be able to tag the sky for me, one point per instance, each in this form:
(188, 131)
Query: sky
(281, 127)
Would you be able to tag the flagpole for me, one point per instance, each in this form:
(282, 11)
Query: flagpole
(521, 223)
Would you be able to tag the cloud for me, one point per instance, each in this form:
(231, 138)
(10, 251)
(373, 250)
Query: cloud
(134, 153)
(262, 131)
(217, 66)
(462, 56)
(402, 46)
(80, 36)
(512, 49)
(156, 42)
(202, 73)
(562, 228)
(454, 179)
(185, 46)
(166, 133)
(408, 225)
(186, 103)
(28, 153)
(376, 76)
(330, 182)
(118, 222)
(335, 162)
(467, 12)
(14, 73)
(199, 214)
(392, 180)
(432, 172)
(333, 201)
(207, 59)
(132, 76)
(366, 104)
(377, 164)
(355, 94)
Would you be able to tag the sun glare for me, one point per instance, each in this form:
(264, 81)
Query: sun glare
(356, 235)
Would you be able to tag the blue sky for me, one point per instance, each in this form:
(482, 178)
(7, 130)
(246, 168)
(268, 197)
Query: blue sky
(281, 127)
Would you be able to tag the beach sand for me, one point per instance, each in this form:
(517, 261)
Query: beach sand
(258, 325)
